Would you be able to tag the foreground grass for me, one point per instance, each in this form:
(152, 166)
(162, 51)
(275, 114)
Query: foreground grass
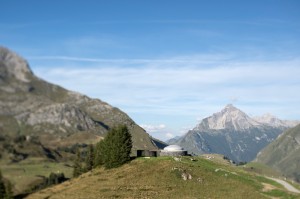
(161, 178)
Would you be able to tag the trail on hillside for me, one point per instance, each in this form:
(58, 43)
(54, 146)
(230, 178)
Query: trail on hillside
(286, 185)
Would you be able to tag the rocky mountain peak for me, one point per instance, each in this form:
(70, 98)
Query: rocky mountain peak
(228, 118)
(273, 121)
(13, 66)
(230, 107)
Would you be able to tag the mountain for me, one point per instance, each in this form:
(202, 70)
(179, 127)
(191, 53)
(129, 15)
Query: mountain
(173, 140)
(271, 120)
(284, 154)
(40, 119)
(230, 132)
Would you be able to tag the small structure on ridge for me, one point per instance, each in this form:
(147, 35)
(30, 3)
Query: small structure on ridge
(173, 150)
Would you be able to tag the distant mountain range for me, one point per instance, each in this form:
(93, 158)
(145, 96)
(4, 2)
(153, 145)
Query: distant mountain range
(40, 119)
(284, 154)
(233, 133)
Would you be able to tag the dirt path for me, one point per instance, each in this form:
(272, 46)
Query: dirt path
(286, 185)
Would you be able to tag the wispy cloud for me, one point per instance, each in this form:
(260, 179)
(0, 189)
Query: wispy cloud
(196, 59)
(160, 131)
(184, 86)
(153, 128)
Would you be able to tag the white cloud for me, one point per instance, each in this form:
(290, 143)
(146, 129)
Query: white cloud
(164, 86)
(153, 128)
(186, 86)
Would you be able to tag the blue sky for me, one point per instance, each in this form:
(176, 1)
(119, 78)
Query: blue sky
(167, 64)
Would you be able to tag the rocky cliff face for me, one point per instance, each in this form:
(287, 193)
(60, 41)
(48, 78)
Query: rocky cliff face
(14, 66)
(232, 133)
(52, 115)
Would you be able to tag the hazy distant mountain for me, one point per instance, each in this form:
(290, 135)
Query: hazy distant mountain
(50, 119)
(230, 132)
(174, 139)
(284, 153)
(275, 122)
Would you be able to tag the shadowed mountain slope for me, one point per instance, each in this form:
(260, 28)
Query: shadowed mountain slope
(284, 154)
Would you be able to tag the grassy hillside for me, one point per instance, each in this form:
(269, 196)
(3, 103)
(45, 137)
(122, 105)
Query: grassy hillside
(40, 120)
(283, 154)
(162, 178)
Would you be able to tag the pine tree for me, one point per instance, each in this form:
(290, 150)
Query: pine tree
(90, 158)
(99, 153)
(117, 146)
(2, 187)
(77, 168)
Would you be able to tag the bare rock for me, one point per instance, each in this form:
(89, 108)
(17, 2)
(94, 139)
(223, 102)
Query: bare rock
(13, 65)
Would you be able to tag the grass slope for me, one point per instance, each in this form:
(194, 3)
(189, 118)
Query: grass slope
(283, 154)
(161, 178)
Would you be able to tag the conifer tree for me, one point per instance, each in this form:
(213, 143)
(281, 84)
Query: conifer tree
(77, 168)
(90, 158)
(117, 146)
(99, 153)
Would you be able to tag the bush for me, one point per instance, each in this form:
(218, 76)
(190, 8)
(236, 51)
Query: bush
(20, 139)
(54, 178)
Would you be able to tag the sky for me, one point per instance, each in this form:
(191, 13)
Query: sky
(166, 63)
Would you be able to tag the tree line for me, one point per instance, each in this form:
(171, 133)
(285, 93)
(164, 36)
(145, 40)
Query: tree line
(113, 151)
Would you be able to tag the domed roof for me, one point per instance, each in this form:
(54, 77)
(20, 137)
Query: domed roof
(173, 148)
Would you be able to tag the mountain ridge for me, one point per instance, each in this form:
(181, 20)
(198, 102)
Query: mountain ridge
(230, 132)
(56, 117)
(229, 117)
(283, 153)
(272, 120)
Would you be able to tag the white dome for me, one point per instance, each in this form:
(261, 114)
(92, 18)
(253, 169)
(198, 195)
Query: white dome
(173, 148)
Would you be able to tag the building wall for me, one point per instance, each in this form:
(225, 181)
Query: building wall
(173, 153)
(146, 153)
